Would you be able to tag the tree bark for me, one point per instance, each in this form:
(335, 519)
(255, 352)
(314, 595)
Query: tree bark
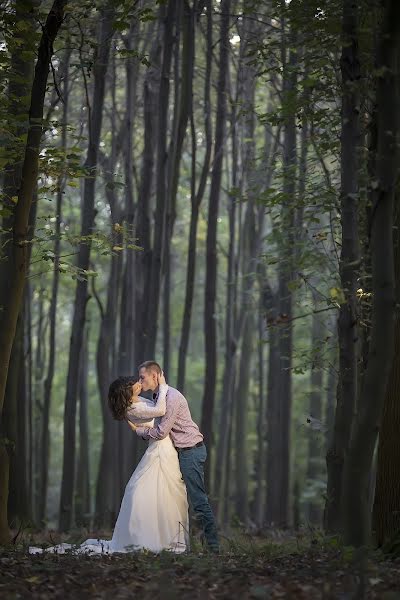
(314, 459)
(45, 444)
(154, 290)
(386, 509)
(143, 263)
(285, 295)
(17, 265)
(82, 497)
(196, 199)
(83, 263)
(356, 510)
(211, 244)
(349, 264)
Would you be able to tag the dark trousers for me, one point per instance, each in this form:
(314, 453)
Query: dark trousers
(192, 467)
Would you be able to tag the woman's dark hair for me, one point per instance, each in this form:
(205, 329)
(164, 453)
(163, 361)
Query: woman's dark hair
(120, 396)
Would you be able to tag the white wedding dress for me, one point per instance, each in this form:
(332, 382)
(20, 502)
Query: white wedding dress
(154, 510)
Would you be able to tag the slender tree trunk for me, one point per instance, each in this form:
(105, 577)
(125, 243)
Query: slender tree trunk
(331, 387)
(196, 199)
(349, 264)
(107, 486)
(273, 498)
(315, 446)
(356, 509)
(258, 512)
(285, 276)
(95, 121)
(154, 291)
(211, 244)
(128, 443)
(144, 260)
(17, 265)
(82, 497)
(242, 393)
(45, 444)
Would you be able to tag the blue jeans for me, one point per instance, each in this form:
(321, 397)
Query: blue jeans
(192, 467)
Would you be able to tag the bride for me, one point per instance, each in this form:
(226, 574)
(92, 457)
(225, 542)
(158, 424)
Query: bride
(154, 509)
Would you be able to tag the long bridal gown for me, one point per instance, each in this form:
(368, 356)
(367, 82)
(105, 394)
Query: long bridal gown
(154, 509)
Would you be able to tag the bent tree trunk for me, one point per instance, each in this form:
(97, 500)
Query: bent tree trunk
(17, 265)
(100, 68)
(356, 509)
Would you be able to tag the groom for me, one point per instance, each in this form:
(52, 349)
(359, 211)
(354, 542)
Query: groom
(188, 441)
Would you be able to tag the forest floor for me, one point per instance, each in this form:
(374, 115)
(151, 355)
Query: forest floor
(249, 567)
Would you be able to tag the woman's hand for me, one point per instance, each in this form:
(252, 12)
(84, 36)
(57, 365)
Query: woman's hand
(136, 389)
(161, 379)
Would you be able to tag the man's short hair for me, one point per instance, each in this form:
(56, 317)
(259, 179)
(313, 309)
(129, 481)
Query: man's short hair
(151, 365)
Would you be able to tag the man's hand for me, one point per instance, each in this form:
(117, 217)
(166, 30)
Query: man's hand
(131, 425)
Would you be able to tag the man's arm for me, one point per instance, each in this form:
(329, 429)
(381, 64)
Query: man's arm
(165, 425)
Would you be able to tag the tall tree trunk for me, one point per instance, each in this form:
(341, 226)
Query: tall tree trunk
(315, 446)
(356, 509)
(107, 485)
(285, 276)
(211, 244)
(17, 265)
(154, 290)
(184, 110)
(386, 510)
(331, 386)
(259, 468)
(45, 444)
(82, 497)
(128, 443)
(349, 264)
(196, 198)
(88, 215)
(143, 262)
(273, 496)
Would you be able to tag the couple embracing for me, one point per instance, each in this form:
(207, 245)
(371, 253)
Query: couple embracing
(154, 509)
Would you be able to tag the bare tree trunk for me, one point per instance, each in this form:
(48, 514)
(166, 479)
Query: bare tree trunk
(45, 444)
(17, 266)
(331, 386)
(285, 276)
(356, 510)
(144, 260)
(88, 215)
(82, 497)
(196, 199)
(107, 486)
(128, 443)
(228, 387)
(349, 264)
(154, 289)
(273, 497)
(315, 446)
(211, 244)
(260, 462)
(386, 510)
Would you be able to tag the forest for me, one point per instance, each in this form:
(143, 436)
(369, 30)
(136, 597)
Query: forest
(214, 185)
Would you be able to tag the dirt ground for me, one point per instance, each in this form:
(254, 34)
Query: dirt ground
(260, 570)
